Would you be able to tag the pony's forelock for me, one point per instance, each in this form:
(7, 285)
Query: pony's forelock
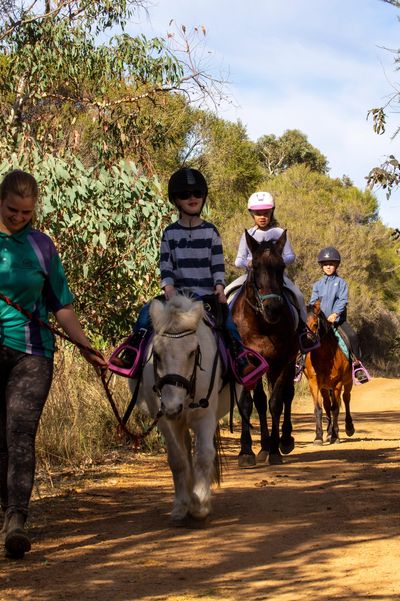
(178, 314)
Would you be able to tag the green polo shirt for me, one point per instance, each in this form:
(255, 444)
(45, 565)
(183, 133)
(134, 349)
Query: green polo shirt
(31, 275)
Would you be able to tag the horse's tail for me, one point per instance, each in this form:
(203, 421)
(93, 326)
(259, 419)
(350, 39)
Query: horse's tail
(219, 456)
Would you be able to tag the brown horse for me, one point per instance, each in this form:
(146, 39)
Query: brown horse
(328, 371)
(266, 324)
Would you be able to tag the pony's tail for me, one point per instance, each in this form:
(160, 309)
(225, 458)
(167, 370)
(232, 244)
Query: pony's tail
(219, 457)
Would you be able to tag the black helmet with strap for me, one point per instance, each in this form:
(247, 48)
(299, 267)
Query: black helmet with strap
(330, 253)
(186, 179)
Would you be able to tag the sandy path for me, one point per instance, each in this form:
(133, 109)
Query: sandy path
(325, 525)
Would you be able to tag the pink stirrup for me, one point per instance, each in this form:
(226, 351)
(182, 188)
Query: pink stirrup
(261, 367)
(360, 371)
(135, 356)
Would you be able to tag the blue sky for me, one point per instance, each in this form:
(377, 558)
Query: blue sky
(313, 65)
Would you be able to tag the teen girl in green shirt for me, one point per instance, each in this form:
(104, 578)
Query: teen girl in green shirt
(32, 276)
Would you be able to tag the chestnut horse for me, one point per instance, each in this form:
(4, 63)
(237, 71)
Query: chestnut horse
(328, 371)
(266, 324)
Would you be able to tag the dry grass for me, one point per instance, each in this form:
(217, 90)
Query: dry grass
(78, 427)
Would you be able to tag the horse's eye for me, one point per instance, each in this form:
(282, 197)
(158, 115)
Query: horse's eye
(156, 356)
(191, 354)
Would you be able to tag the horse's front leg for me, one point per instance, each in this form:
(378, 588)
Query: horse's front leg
(177, 441)
(315, 392)
(335, 404)
(203, 466)
(286, 443)
(282, 390)
(348, 419)
(246, 457)
(260, 402)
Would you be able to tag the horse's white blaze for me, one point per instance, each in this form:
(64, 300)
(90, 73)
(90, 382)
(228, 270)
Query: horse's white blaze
(191, 461)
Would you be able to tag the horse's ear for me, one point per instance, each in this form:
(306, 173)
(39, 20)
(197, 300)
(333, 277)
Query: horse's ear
(251, 242)
(280, 243)
(317, 307)
(157, 311)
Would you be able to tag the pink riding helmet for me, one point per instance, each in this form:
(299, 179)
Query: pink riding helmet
(260, 201)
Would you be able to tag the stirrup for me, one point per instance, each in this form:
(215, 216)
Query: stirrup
(305, 345)
(133, 353)
(261, 367)
(298, 373)
(360, 374)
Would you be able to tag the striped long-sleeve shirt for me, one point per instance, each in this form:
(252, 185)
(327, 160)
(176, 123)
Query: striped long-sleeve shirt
(192, 258)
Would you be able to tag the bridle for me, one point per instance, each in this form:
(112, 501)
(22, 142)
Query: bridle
(261, 297)
(180, 381)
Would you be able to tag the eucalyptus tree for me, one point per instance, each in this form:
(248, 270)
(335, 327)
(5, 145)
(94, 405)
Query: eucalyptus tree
(75, 110)
(386, 175)
(292, 148)
(62, 88)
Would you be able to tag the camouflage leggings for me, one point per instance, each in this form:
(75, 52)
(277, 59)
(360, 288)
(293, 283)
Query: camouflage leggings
(24, 385)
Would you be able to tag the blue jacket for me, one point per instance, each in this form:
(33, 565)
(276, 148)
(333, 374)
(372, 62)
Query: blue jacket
(333, 293)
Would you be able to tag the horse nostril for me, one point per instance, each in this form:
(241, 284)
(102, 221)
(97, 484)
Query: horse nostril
(172, 412)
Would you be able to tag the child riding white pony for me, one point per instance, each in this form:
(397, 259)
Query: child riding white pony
(182, 381)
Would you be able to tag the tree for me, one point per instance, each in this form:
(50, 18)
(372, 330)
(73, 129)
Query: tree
(223, 151)
(106, 225)
(61, 89)
(386, 175)
(74, 112)
(292, 148)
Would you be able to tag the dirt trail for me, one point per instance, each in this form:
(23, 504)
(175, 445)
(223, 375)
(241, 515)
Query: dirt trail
(325, 525)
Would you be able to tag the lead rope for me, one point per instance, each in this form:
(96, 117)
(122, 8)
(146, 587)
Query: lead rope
(137, 438)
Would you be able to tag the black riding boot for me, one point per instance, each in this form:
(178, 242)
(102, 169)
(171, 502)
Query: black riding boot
(17, 541)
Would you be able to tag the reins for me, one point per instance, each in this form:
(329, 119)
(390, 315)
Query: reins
(260, 297)
(121, 422)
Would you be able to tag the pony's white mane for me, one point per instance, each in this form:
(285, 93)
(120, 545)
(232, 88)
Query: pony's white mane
(178, 314)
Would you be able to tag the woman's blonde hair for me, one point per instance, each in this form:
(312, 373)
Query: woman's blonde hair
(20, 183)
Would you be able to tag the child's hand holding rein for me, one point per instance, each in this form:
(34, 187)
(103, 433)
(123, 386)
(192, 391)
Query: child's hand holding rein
(220, 294)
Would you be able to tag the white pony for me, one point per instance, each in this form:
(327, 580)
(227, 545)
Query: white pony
(182, 381)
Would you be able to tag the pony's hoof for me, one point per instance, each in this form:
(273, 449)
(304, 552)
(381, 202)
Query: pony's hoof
(262, 456)
(350, 430)
(179, 521)
(318, 442)
(334, 440)
(286, 446)
(196, 522)
(275, 459)
(189, 521)
(247, 460)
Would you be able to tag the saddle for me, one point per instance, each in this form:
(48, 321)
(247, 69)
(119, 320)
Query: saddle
(233, 290)
(359, 371)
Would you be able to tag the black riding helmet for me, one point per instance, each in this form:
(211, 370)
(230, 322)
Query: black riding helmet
(330, 253)
(186, 179)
